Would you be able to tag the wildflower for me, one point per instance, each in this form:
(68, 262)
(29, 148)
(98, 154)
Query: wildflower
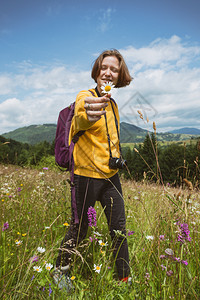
(50, 290)
(147, 276)
(101, 243)
(72, 278)
(32, 277)
(41, 250)
(37, 269)
(162, 237)
(66, 224)
(23, 234)
(131, 233)
(45, 168)
(97, 233)
(169, 273)
(91, 239)
(18, 243)
(5, 226)
(92, 216)
(97, 268)
(184, 233)
(19, 189)
(169, 251)
(34, 258)
(177, 259)
(48, 266)
(163, 267)
(162, 256)
(47, 227)
(150, 237)
(184, 262)
(107, 87)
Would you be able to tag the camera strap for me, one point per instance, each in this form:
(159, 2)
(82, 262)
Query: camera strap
(116, 124)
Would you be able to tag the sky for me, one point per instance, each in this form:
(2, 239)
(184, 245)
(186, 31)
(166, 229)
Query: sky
(47, 48)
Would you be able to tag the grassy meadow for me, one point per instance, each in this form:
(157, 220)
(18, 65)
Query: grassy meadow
(163, 232)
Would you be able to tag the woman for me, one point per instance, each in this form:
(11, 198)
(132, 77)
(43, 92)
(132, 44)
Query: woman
(97, 157)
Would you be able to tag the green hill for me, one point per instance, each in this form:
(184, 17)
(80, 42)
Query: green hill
(33, 134)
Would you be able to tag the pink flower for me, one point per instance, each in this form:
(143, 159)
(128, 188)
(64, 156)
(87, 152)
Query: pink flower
(131, 233)
(5, 226)
(184, 262)
(34, 258)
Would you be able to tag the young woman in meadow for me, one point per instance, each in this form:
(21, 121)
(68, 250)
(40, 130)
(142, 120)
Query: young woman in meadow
(97, 158)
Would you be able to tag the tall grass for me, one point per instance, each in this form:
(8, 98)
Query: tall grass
(36, 205)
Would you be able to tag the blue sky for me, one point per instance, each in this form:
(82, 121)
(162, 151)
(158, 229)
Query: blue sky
(47, 48)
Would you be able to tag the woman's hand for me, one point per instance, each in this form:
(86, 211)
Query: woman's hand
(94, 106)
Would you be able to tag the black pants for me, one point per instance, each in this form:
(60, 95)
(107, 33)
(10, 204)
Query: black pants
(109, 193)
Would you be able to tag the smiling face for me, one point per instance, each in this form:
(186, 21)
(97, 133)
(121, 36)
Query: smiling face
(109, 71)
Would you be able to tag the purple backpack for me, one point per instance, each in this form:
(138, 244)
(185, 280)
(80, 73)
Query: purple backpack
(64, 151)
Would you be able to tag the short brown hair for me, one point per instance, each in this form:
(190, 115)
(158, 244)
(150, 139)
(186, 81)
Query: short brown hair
(124, 75)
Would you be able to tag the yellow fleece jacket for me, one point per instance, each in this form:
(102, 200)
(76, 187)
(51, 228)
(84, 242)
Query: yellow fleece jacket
(91, 152)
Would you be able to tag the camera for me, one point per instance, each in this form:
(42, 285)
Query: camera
(117, 163)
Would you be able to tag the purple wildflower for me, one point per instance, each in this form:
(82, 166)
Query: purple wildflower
(19, 189)
(5, 226)
(163, 267)
(184, 233)
(131, 233)
(177, 259)
(147, 276)
(45, 168)
(92, 216)
(50, 290)
(91, 239)
(162, 237)
(32, 277)
(184, 262)
(34, 258)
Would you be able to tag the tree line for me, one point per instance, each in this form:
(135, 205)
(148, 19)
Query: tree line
(147, 160)
(23, 154)
(172, 163)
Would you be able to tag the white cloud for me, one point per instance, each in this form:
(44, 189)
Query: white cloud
(41, 93)
(6, 85)
(166, 74)
(105, 19)
(162, 52)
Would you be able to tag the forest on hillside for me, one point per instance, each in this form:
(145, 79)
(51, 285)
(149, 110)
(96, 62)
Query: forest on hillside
(171, 164)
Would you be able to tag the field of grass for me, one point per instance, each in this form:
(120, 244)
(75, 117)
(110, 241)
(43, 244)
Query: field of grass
(163, 228)
(165, 143)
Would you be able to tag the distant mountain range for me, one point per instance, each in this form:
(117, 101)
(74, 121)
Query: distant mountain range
(187, 130)
(130, 133)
